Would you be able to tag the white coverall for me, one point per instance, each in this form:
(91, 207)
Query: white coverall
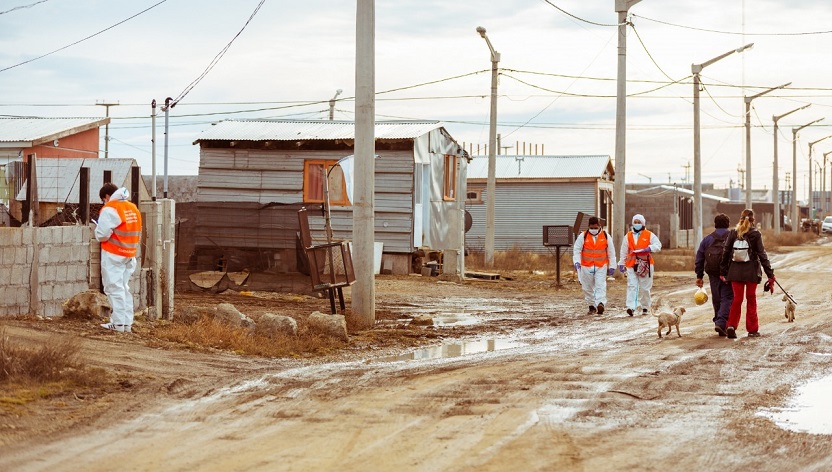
(116, 270)
(593, 279)
(638, 288)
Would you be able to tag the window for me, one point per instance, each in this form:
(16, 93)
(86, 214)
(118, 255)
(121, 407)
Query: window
(449, 187)
(313, 183)
(473, 195)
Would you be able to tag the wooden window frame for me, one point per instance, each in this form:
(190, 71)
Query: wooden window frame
(449, 178)
(308, 184)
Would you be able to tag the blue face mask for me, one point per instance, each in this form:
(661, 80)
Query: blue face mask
(637, 227)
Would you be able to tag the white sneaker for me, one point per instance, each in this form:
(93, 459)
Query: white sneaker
(113, 327)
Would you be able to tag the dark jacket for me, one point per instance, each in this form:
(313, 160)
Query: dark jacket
(746, 271)
(707, 241)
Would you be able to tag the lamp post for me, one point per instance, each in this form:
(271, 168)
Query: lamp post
(748, 140)
(812, 197)
(695, 69)
(106, 105)
(825, 202)
(795, 214)
(775, 188)
(620, 184)
(332, 105)
(490, 186)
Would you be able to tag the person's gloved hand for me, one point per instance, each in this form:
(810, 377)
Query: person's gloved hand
(771, 283)
(699, 283)
(610, 271)
(622, 269)
(577, 267)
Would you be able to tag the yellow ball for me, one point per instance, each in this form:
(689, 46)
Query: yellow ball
(700, 297)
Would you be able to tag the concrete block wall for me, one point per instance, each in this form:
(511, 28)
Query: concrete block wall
(67, 262)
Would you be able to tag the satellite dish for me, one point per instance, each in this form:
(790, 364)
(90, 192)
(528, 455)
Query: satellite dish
(469, 221)
(55, 143)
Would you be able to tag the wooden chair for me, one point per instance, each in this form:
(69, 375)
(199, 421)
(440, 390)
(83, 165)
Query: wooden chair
(330, 264)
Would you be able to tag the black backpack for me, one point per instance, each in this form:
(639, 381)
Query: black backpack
(713, 254)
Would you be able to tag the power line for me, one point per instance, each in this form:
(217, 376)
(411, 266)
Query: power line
(648, 53)
(22, 7)
(805, 33)
(84, 39)
(217, 57)
(577, 17)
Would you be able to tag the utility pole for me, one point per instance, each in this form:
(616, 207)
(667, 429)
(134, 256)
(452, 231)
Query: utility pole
(795, 211)
(748, 140)
(619, 186)
(491, 182)
(106, 105)
(363, 210)
(775, 171)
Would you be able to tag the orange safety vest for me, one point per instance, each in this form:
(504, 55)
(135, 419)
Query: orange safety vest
(126, 236)
(642, 243)
(594, 253)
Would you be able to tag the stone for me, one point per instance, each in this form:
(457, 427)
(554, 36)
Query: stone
(228, 314)
(272, 325)
(422, 320)
(89, 304)
(329, 325)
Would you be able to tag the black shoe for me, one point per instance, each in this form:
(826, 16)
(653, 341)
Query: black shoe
(754, 334)
(720, 330)
(730, 332)
(600, 308)
(630, 311)
(591, 310)
(644, 311)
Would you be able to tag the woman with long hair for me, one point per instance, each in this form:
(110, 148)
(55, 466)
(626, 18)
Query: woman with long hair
(742, 258)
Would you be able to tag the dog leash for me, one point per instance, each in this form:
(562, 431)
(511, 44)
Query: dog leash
(785, 292)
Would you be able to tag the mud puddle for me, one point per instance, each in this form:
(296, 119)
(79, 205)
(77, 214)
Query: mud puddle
(807, 411)
(454, 350)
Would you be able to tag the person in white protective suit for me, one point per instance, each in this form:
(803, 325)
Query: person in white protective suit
(119, 229)
(636, 254)
(593, 255)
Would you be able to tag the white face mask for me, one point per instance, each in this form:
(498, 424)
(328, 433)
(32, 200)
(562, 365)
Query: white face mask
(595, 231)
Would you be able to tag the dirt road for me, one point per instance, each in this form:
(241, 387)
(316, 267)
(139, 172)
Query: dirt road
(569, 391)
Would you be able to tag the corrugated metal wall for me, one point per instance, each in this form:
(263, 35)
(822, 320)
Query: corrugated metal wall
(256, 178)
(522, 209)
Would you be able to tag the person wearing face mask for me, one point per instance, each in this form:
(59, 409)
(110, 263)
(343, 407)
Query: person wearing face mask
(637, 250)
(742, 257)
(593, 255)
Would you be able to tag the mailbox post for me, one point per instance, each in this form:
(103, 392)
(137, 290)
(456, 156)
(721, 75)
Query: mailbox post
(558, 236)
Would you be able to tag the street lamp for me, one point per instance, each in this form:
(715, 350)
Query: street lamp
(490, 187)
(619, 185)
(795, 214)
(106, 104)
(332, 104)
(695, 69)
(748, 140)
(812, 197)
(825, 196)
(775, 177)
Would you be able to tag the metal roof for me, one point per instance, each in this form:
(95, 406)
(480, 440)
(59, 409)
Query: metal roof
(664, 189)
(27, 132)
(291, 130)
(58, 179)
(540, 167)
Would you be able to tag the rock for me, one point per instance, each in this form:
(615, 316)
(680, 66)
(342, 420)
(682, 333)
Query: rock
(422, 320)
(187, 315)
(89, 304)
(330, 325)
(272, 325)
(228, 314)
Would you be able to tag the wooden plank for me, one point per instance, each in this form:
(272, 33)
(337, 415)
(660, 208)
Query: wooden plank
(482, 275)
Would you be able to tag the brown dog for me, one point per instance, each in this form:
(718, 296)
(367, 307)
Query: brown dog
(669, 320)
(789, 308)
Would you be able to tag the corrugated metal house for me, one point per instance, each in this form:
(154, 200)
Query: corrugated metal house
(255, 174)
(535, 191)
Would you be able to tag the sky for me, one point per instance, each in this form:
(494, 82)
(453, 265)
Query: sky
(556, 90)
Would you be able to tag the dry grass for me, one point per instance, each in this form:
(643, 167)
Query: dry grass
(52, 370)
(516, 259)
(207, 333)
(773, 242)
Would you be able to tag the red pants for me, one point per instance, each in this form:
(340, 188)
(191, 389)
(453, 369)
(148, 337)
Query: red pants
(751, 322)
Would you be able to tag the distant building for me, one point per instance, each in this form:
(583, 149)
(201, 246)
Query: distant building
(535, 191)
